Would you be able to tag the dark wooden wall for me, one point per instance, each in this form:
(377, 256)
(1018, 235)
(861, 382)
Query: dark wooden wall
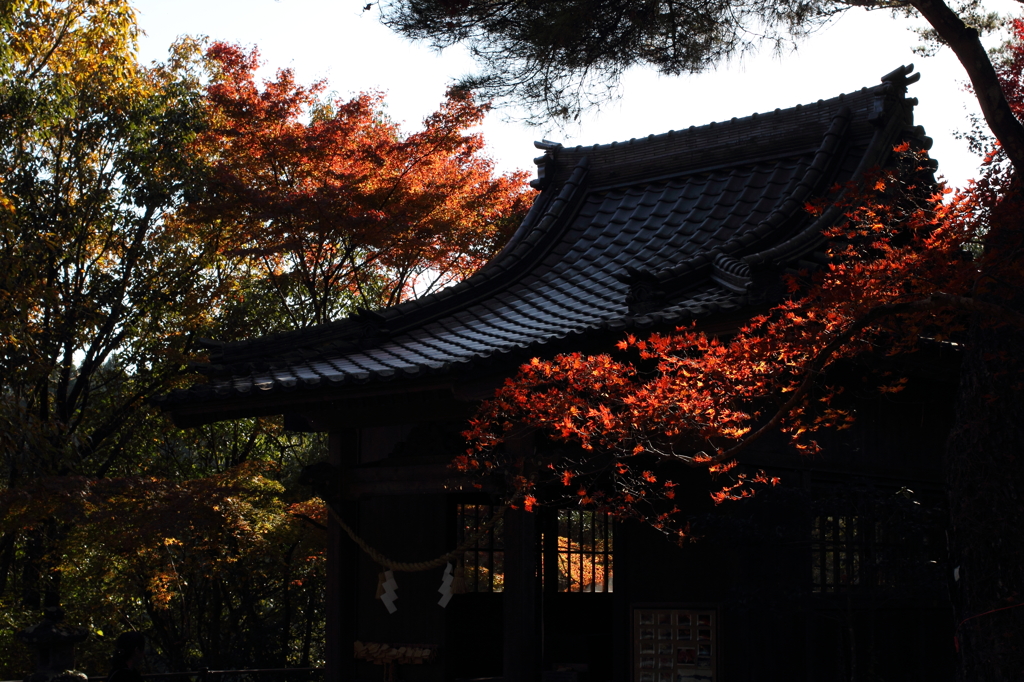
(752, 565)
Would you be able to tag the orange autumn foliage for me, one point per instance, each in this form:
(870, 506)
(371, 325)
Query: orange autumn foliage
(338, 206)
(579, 569)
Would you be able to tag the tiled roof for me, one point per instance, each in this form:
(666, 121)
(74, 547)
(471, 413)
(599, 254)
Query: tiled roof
(656, 231)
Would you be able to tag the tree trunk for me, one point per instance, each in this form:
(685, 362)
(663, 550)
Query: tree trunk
(985, 477)
(307, 633)
(40, 579)
(985, 455)
(6, 559)
(985, 471)
(966, 45)
(31, 593)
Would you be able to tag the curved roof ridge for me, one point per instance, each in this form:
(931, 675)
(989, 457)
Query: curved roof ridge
(677, 277)
(811, 236)
(762, 135)
(535, 238)
(695, 129)
(900, 77)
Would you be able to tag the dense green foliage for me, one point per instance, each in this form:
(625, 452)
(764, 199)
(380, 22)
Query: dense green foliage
(101, 293)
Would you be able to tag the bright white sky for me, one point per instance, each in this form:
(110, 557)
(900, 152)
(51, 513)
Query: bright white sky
(336, 41)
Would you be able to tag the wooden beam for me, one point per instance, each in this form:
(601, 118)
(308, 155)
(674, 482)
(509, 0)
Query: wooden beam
(521, 593)
(342, 571)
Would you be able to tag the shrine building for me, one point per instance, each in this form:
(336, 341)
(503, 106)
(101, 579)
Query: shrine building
(690, 226)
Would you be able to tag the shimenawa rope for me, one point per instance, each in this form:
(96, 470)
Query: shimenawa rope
(413, 566)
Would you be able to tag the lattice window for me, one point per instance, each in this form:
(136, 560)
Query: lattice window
(484, 569)
(583, 551)
(838, 553)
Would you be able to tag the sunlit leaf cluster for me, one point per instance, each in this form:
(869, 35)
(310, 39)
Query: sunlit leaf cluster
(339, 207)
(152, 554)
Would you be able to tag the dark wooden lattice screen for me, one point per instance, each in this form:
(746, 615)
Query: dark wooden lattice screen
(485, 561)
(838, 548)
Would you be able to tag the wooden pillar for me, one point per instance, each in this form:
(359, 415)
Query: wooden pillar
(521, 594)
(342, 571)
(622, 613)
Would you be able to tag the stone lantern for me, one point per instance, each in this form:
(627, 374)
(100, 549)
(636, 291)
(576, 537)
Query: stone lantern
(54, 644)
